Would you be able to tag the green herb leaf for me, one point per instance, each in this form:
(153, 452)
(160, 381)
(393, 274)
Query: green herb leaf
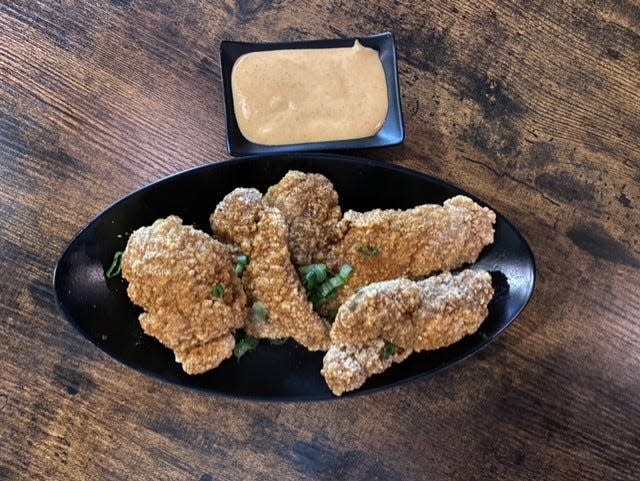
(330, 286)
(315, 298)
(369, 251)
(279, 342)
(306, 269)
(241, 263)
(313, 275)
(320, 283)
(245, 344)
(115, 268)
(388, 350)
(260, 311)
(345, 272)
(218, 290)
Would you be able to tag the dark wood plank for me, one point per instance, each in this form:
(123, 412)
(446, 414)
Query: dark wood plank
(533, 106)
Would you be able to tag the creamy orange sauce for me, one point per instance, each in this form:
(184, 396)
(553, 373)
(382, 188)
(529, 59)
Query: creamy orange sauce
(309, 95)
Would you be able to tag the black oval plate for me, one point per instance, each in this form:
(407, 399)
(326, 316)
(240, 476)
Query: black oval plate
(100, 309)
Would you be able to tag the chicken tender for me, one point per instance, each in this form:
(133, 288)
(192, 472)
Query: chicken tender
(412, 316)
(310, 207)
(195, 358)
(270, 279)
(172, 272)
(391, 244)
(346, 367)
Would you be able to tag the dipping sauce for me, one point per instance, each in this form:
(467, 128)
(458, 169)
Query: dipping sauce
(309, 95)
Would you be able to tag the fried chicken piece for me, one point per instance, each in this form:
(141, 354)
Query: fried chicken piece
(346, 367)
(270, 278)
(172, 270)
(390, 244)
(412, 316)
(422, 315)
(310, 207)
(195, 358)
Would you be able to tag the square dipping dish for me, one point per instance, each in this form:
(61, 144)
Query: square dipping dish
(391, 132)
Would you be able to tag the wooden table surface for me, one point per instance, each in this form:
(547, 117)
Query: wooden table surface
(532, 106)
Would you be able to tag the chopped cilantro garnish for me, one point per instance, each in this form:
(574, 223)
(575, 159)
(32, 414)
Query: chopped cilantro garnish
(115, 268)
(244, 344)
(314, 275)
(320, 283)
(241, 263)
(260, 311)
(388, 350)
(345, 272)
(218, 290)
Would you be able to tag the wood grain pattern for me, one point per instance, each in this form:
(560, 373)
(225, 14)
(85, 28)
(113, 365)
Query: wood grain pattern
(533, 106)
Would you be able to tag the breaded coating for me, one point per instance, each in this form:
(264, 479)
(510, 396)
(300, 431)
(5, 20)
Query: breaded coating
(270, 278)
(413, 316)
(346, 367)
(422, 315)
(195, 358)
(172, 270)
(310, 207)
(391, 244)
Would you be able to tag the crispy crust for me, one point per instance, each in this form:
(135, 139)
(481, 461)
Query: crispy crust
(195, 358)
(346, 367)
(171, 270)
(415, 316)
(310, 207)
(412, 243)
(261, 232)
